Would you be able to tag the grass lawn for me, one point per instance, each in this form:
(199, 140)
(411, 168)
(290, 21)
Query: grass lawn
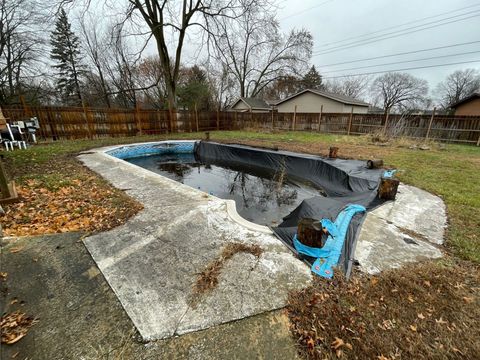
(428, 310)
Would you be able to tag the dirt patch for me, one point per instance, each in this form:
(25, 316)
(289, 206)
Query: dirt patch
(66, 196)
(207, 280)
(428, 310)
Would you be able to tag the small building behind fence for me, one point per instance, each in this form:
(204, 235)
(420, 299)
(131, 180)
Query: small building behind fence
(317, 101)
(469, 106)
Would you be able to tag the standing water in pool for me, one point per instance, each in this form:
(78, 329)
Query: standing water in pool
(261, 196)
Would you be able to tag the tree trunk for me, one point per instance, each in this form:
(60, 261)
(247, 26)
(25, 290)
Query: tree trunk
(309, 235)
(388, 188)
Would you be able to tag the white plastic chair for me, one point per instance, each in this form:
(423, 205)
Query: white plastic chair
(11, 143)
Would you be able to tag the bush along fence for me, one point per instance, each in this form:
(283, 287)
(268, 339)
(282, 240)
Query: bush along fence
(73, 123)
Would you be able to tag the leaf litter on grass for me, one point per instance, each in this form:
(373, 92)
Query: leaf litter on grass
(84, 204)
(378, 322)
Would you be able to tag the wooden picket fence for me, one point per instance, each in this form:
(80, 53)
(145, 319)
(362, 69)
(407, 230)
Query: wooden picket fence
(74, 123)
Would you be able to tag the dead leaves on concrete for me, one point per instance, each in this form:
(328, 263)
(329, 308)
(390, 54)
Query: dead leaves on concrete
(207, 280)
(85, 204)
(14, 326)
(427, 310)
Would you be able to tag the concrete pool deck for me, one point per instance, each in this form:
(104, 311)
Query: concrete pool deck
(152, 261)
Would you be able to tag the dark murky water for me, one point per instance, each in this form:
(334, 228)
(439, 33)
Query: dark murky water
(261, 196)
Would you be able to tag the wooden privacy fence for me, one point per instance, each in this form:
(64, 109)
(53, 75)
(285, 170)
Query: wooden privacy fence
(72, 123)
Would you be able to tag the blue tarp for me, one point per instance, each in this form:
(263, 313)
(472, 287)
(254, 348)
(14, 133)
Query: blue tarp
(328, 256)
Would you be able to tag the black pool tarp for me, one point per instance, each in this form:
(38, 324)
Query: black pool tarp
(344, 181)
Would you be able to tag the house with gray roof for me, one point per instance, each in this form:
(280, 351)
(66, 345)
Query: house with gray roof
(316, 101)
(245, 104)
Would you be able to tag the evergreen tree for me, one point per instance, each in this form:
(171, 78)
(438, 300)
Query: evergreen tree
(312, 79)
(195, 90)
(66, 53)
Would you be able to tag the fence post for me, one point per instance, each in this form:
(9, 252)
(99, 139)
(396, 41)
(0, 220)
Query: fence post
(85, 112)
(478, 141)
(320, 117)
(196, 117)
(173, 119)
(273, 120)
(387, 115)
(26, 110)
(6, 193)
(350, 122)
(218, 119)
(294, 117)
(430, 123)
(137, 118)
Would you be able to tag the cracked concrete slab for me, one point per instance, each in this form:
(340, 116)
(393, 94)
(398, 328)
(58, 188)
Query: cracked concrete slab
(152, 261)
(411, 228)
(54, 279)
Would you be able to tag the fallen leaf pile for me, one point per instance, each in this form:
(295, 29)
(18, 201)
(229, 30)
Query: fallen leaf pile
(14, 326)
(85, 204)
(425, 310)
(207, 280)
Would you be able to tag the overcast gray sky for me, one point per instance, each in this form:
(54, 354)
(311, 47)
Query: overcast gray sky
(333, 21)
(351, 30)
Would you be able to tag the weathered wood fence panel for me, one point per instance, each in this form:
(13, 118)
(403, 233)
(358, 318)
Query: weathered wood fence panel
(73, 123)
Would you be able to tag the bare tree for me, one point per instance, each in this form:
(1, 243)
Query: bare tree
(169, 23)
(149, 71)
(399, 91)
(352, 86)
(95, 45)
(121, 62)
(283, 87)
(457, 86)
(20, 46)
(223, 86)
(255, 52)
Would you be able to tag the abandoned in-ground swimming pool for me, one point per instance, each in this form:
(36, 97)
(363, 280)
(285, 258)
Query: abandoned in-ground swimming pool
(275, 187)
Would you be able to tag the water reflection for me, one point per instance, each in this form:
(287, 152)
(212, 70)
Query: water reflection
(261, 196)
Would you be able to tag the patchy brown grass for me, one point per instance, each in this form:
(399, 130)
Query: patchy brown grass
(207, 280)
(423, 311)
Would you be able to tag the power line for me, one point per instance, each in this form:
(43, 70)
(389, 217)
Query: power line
(403, 69)
(365, 42)
(304, 11)
(401, 53)
(396, 26)
(435, 23)
(401, 62)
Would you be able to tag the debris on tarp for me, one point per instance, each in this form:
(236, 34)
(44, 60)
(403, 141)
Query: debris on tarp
(14, 326)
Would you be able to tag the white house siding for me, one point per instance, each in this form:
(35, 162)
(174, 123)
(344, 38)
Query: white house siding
(311, 103)
(356, 109)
